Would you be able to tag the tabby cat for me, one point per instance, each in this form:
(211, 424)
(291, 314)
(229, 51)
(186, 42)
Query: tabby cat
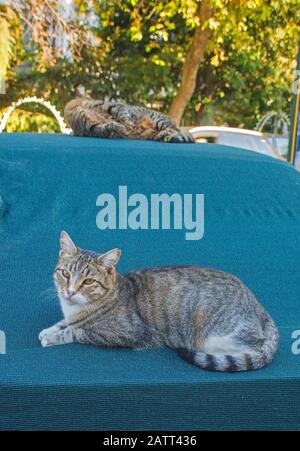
(103, 119)
(208, 316)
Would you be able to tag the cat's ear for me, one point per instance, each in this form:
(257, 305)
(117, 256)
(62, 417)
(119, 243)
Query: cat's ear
(110, 258)
(66, 244)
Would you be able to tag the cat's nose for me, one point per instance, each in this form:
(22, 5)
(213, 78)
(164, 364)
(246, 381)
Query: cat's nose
(70, 292)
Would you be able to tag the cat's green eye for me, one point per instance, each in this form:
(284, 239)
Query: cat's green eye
(65, 273)
(88, 281)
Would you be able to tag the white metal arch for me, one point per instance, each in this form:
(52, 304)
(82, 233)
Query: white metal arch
(280, 121)
(41, 101)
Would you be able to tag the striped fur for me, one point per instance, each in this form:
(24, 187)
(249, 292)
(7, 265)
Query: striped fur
(251, 360)
(102, 119)
(210, 317)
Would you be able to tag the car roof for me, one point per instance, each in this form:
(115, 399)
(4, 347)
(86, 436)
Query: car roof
(225, 129)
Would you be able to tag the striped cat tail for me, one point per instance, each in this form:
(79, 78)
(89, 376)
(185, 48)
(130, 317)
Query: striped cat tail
(270, 345)
(251, 360)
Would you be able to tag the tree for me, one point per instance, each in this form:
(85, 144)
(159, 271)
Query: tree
(10, 40)
(240, 45)
(192, 61)
(250, 68)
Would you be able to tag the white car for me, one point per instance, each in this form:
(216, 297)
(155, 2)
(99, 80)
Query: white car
(235, 137)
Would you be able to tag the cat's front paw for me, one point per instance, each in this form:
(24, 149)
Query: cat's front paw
(48, 331)
(180, 138)
(48, 337)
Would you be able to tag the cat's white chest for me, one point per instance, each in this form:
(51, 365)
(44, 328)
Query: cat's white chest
(69, 309)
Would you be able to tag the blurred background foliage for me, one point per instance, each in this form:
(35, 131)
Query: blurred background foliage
(136, 51)
(22, 119)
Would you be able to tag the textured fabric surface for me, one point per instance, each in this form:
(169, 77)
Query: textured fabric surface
(252, 229)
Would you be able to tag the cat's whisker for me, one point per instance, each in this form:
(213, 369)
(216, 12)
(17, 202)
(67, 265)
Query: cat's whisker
(50, 290)
(48, 295)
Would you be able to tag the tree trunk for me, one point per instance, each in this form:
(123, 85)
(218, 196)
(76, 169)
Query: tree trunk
(191, 63)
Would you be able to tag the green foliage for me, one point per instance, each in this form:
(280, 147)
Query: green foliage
(250, 66)
(11, 45)
(26, 121)
(5, 46)
(135, 49)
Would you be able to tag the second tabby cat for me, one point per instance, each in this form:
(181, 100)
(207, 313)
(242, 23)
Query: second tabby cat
(103, 119)
(208, 316)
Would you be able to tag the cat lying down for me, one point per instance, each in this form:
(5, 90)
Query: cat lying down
(208, 316)
(102, 119)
